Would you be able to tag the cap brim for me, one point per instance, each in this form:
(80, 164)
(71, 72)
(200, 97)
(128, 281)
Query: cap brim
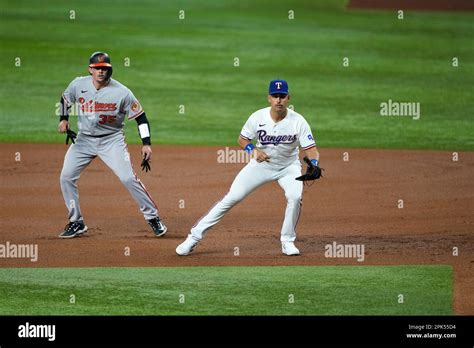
(278, 92)
(98, 65)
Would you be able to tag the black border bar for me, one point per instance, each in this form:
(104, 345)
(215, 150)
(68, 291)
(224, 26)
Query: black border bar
(261, 330)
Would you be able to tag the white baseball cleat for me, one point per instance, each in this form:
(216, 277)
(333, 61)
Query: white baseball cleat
(288, 248)
(187, 246)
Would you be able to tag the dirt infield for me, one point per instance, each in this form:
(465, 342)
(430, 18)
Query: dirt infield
(356, 203)
(437, 5)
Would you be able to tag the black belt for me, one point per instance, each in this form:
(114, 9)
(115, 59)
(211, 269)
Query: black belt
(99, 136)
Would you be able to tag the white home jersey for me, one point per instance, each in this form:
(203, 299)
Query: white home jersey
(280, 141)
(102, 111)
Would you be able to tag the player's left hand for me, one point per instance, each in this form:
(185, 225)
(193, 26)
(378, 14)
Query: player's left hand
(146, 155)
(312, 172)
(146, 152)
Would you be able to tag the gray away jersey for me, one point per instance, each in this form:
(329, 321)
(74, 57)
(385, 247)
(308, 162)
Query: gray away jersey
(103, 111)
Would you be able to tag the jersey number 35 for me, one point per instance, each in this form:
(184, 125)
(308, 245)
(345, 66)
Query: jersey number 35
(107, 119)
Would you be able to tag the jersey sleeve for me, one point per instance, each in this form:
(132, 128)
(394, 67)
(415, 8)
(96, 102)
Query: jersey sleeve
(306, 138)
(131, 106)
(249, 130)
(69, 94)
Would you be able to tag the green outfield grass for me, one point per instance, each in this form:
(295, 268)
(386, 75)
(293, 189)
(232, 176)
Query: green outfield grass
(321, 290)
(190, 62)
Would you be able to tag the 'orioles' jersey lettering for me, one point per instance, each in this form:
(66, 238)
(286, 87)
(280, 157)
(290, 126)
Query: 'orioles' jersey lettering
(92, 106)
(101, 111)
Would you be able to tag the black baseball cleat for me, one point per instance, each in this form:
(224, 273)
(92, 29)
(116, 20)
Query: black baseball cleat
(158, 227)
(73, 229)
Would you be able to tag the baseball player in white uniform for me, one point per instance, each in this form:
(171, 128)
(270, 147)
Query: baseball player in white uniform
(279, 133)
(103, 103)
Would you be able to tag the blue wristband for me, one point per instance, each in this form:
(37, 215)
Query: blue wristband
(249, 148)
(315, 162)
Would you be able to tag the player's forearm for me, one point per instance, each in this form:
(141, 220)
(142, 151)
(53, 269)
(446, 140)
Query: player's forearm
(312, 153)
(246, 145)
(64, 111)
(144, 129)
(243, 142)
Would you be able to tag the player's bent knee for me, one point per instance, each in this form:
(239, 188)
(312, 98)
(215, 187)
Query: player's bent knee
(65, 177)
(127, 180)
(293, 196)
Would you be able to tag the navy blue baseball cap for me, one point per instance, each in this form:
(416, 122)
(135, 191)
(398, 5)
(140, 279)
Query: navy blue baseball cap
(278, 87)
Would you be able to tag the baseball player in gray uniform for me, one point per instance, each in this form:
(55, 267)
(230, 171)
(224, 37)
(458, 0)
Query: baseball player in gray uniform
(103, 104)
(280, 132)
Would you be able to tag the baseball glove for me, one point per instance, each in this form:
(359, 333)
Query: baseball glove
(70, 135)
(146, 165)
(312, 172)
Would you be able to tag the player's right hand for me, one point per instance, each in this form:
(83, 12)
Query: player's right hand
(261, 156)
(63, 126)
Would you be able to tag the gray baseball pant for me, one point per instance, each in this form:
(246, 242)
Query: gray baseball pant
(111, 149)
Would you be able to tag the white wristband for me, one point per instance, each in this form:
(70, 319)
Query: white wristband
(144, 130)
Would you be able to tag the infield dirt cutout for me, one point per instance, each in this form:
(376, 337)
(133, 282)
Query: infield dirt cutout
(357, 202)
(428, 5)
